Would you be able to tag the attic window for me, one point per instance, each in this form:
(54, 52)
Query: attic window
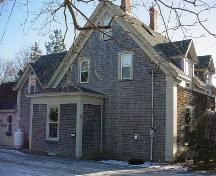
(148, 30)
(32, 84)
(106, 22)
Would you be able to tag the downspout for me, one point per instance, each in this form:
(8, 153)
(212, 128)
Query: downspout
(152, 118)
(101, 138)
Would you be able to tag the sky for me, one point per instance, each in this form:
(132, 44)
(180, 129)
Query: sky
(20, 34)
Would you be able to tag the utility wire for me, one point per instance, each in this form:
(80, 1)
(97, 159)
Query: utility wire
(2, 37)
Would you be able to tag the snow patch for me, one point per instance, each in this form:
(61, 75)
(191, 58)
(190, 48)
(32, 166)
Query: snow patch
(12, 151)
(160, 166)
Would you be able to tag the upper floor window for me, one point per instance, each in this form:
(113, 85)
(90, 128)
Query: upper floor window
(53, 123)
(188, 67)
(105, 22)
(32, 84)
(126, 66)
(84, 71)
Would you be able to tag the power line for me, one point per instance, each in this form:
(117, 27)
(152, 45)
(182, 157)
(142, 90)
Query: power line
(8, 21)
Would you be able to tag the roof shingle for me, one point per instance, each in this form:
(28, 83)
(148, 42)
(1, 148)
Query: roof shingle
(46, 65)
(8, 97)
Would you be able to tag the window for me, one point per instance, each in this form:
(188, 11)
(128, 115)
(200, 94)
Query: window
(188, 67)
(126, 66)
(32, 84)
(53, 123)
(105, 22)
(84, 71)
(9, 121)
(188, 122)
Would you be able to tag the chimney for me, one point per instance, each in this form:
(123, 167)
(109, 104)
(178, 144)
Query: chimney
(126, 6)
(153, 18)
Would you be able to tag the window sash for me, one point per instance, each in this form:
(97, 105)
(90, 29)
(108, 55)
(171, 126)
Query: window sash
(53, 125)
(126, 66)
(84, 71)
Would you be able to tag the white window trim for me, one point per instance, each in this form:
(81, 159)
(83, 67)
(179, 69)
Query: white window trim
(47, 123)
(120, 65)
(80, 64)
(29, 84)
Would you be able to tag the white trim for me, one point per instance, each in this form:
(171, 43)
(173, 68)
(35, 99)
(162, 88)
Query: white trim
(171, 119)
(24, 77)
(63, 94)
(79, 128)
(8, 110)
(49, 106)
(30, 129)
(120, 66)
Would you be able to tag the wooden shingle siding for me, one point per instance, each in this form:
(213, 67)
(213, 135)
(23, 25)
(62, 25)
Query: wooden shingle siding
(67, 143)
(91, 130)
(24, 115)
(200, 104)
(127, 109)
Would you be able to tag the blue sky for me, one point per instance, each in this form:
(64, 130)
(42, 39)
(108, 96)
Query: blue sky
(19, 36)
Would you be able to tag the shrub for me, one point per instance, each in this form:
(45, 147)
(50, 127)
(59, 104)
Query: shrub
(202, 138)
(135, 161)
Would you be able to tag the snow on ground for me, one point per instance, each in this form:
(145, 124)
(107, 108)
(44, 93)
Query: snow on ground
(16, 163)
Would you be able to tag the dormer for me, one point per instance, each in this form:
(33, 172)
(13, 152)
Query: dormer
(204, 69)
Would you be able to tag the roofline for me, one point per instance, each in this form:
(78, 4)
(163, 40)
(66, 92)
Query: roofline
(74, 45)
(36, 76)
(65, 94)
(141, 42)
(23, 78)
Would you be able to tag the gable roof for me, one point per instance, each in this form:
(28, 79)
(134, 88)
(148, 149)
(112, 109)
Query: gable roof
(46, 65)
(43, 68)
(151, 42)
(174, 48)
(205, 62)
(8, 97)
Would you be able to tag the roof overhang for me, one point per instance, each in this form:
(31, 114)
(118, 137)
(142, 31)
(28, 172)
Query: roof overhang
(28, 70)
(8, 110)
(63, 94)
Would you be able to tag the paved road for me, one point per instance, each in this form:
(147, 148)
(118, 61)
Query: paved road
(15, 163)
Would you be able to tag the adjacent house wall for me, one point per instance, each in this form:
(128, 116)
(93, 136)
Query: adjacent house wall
(189, 98)
(127, 110)
(4, 138)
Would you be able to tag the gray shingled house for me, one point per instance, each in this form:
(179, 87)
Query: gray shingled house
(135, 98)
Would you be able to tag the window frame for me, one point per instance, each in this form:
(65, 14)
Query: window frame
(48, 122)
(191, 110)
(122, 54)
(29, 84)
(80, 70)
